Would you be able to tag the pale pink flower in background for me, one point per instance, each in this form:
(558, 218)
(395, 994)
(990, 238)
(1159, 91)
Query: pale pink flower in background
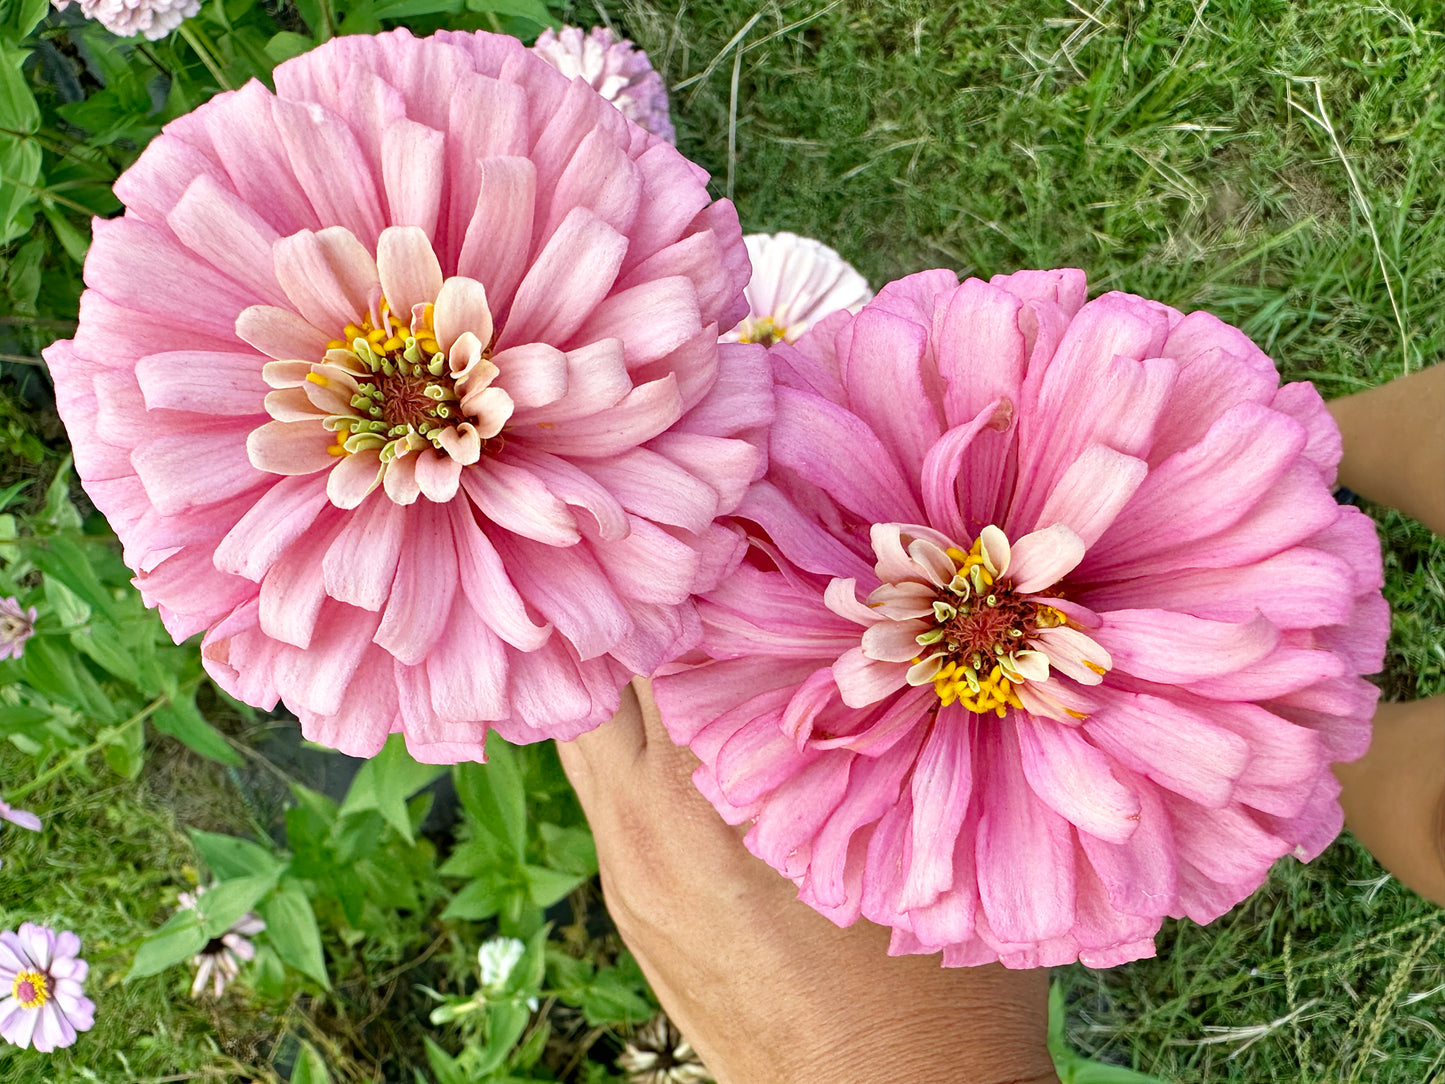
(615, 68)
(22, 817)
(17, 624)
(153, 19)
(41, 1001)
(796, 281)
(402, 386)
(1052, 629)
(220, 959)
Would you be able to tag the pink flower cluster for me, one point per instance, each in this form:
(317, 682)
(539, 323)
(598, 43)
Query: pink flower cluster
(1053, 627)
(153, 19)
(616, 69)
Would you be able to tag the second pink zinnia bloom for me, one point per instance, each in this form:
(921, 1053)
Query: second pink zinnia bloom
(402, 385)
(1053, 627)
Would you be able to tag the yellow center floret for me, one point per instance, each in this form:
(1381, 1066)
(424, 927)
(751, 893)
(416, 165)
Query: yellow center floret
(405, 390)
(762, 330)
(31, 989)
(979, 628)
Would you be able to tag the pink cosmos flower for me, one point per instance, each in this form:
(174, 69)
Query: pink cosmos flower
(796, 281)
(616, 69)
(220, 959)
(17, 624)
(153, 19)
(40, 976)
(403, 386)
(1054, 628)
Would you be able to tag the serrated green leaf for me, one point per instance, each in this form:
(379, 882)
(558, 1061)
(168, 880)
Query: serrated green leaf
(292, 931)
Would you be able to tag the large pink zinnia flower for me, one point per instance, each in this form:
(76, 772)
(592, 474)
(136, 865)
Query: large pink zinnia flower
(402, 384)
(1058, 631)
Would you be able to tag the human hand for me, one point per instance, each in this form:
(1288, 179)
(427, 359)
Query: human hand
(767, 990)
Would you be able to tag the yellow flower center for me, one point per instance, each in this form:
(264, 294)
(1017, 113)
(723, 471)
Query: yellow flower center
(405, 387)
(980, 626)
(31, 989)
(762, 330)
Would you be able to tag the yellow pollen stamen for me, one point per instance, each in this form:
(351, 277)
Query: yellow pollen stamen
(319, 379)
(1101, 671)
(1076, 714)
(31, 989)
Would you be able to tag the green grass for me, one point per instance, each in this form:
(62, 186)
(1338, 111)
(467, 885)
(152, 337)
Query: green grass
(1275, 163)
(108, 865)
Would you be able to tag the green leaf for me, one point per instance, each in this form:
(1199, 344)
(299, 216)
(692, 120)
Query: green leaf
(1073, 1067)
(182, 720)
(386, 781)
(547, 886)
(291, 929)
(20, 170)
(231, 857)
(506, 1020)
(18, 110)
(19, 17)
(59, 511)
(521, 9)
(410, 9)
(75, 243)
(224, 904)
(180, 937)
(481, 899)
(493, 796)
(571, 850)
(612, 998)
(478, 857)
(310, 1067)
(286, 44)
(124, 750)
(447, 1069)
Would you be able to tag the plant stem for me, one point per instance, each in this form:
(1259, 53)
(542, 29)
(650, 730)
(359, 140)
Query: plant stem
(107, 737)
(208, 58)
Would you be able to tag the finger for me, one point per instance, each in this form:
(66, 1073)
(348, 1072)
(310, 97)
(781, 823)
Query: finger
(610, 753)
